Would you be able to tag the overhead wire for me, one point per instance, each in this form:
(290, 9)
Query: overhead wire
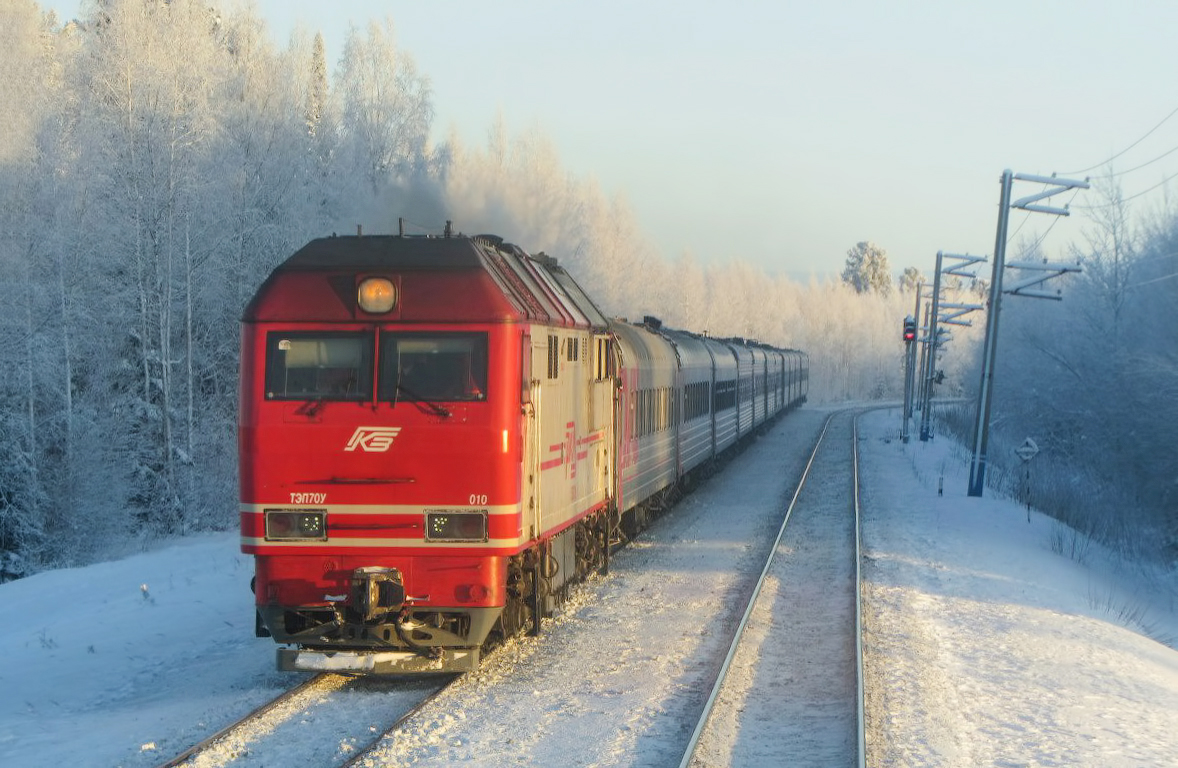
(1114, 175)
(1154, 280)
(1126, 149)
(1097, 207)
(1026, 218)
(1117, 174)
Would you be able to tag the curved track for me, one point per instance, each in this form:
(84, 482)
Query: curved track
(790, 689)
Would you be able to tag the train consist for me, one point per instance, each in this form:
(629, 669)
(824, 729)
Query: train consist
(438, 434)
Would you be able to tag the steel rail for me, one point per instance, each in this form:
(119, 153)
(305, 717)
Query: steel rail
(254, 714)
(862, 702)
(752, 601)
(368, 750)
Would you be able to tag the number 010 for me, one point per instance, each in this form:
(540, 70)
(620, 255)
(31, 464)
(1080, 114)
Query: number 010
(478, 499)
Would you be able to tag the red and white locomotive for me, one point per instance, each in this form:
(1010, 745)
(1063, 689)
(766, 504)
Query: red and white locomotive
(438, 433)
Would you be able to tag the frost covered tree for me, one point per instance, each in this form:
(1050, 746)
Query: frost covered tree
(516, 184)
(317, 94)
(386, 107)
(867, 270)
(156, 160)
(150, 78)
(618, 258)
(35, 341)
(690, 303)
(909, 279)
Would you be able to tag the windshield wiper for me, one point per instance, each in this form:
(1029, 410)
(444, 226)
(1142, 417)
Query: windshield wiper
(425, 402)
(311, 406)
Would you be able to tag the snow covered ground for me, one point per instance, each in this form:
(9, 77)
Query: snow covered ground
(985, 646)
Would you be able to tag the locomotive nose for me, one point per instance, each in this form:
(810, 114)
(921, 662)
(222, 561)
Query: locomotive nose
(377, 592)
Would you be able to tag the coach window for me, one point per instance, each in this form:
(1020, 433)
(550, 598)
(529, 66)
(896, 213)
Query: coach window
(433, 366)
(318, 366)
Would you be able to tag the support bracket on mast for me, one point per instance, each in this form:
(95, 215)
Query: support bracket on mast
(955, 312)
(959, 269)
(1055, 186)
(1050, 270)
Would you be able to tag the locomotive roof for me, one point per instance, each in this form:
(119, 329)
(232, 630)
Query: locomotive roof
(497, 281)
(383, 252)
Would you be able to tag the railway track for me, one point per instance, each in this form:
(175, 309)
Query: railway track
(620, 674)
(362, 758)
(328, 719)
(790, 688)
(236, 730)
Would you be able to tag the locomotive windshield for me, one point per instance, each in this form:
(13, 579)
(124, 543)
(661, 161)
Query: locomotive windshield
(433, 366)
(338, 365)
(319, 366)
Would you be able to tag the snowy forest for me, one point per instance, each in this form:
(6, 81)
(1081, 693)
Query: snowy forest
(158, 159)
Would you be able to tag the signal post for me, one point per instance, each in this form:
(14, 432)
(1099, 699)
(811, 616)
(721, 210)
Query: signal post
(909, 336)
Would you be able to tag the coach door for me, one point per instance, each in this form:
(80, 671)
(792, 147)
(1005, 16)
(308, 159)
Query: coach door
(531, 395)
(601, 400)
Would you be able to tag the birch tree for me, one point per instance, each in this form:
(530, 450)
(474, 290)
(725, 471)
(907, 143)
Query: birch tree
(867, 270)
(150, 70)
(386, 108)
(25, 57)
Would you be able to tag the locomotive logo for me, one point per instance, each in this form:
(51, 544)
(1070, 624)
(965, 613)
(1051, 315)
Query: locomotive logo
(372, 439)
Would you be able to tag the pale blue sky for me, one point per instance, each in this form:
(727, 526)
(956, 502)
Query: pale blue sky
(784, 132)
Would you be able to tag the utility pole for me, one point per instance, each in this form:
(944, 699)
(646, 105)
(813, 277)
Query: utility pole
(934, 328)
(932, 352)
(922, 376)
(977, 466)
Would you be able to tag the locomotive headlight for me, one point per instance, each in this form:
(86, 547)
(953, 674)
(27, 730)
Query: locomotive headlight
(445, 525)
(377, 295)
(296, 525)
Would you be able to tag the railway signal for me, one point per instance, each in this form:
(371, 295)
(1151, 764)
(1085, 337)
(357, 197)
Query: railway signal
(909, 363)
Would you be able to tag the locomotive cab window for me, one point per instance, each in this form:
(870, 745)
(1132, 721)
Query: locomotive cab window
(433, 366)
(318, 366)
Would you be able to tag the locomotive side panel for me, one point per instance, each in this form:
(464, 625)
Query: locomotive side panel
(573, 430)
